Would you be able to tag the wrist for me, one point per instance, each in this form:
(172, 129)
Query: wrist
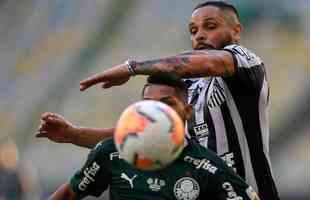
(74, 132)
(131, 65)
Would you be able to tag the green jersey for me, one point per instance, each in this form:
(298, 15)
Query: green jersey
(196, 174)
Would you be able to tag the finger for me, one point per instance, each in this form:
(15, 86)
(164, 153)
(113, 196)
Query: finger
(55, 115)
(97, 78)
(46, 119)
(40, 127)
(43, 128)
(51, 118)
(52, 121)
(42, 123)
(46, 115)
(40, 134)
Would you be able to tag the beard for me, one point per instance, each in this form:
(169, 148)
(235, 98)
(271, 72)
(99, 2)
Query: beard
(225, 40)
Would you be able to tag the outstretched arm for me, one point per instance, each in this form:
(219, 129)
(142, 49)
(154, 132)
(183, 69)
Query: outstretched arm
(89, 137)
(64, 192)
(186, 65)
(58, 129)
(190, 64)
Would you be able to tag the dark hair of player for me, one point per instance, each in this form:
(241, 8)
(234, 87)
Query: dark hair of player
(223, 5)
(169, 80)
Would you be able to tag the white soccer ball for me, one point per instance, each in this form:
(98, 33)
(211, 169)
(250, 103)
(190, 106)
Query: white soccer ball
(149, 135)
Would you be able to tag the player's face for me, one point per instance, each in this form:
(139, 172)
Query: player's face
(210, 29)
(169, 96)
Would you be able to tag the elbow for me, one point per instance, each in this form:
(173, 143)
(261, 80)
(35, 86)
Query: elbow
(64, 193)
(220, 67)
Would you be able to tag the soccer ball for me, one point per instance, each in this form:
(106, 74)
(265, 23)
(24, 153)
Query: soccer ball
(149, 135)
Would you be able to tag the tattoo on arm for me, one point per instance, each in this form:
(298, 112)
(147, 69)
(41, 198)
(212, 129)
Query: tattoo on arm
(197, 63)
(165, 65)
(226, 72)
(194, 52)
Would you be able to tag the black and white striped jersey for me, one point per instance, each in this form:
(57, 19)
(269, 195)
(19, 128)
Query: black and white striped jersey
(230, 117)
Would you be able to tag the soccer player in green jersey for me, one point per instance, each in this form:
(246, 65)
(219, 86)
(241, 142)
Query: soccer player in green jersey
(196, 174)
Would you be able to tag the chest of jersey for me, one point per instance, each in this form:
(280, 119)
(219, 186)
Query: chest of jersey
(209, 123)
(207, 98)
(178, 181)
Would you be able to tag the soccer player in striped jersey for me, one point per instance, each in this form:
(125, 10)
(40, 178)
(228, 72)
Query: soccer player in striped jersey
(230, 95)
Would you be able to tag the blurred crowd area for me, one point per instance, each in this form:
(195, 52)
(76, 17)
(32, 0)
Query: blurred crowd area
(48, 46)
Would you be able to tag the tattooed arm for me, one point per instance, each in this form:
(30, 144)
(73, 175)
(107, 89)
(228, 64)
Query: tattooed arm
(190, 64)
(186, 65)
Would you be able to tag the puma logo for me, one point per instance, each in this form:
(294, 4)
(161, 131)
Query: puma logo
(130, 180)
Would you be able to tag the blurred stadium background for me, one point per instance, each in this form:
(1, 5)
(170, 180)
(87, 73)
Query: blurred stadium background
(48, 46)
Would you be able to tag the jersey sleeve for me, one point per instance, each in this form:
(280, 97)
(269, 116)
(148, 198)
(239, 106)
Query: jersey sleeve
(219, 181)
(94, 177)
(227, 185)
(249, 69)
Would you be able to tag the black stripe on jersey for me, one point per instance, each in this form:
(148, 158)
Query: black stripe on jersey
(191, 124)
(192, 121)
(248, 107)
(247, 79)
(216, 99)
(233, 142)
(220, 95)
(260, 164)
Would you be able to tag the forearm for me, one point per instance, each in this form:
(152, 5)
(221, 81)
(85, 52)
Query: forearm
(64, 192)
(89, 137)
(189, 65)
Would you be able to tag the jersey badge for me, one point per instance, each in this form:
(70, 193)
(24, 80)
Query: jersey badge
(201, 130)
(186, 188)
(155, 184)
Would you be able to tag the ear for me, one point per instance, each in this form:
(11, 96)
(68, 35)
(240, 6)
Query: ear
(237, 30)
(188, 111)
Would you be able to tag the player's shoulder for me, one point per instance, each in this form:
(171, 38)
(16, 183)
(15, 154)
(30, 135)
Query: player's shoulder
(194, 148)
(105, 146)
(244, 56)
(236, 48)
(201, 157)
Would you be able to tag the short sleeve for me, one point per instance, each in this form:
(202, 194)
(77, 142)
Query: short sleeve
(94, 177)
(227, 185)
(249, 69)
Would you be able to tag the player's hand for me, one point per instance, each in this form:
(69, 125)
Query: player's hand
(56, 128)
(114, 76)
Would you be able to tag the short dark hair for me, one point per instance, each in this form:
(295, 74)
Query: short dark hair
(224, 5)
(170, 80)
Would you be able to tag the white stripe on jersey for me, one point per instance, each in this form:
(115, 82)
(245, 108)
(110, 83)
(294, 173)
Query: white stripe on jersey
(199, 107)
(264, 121)
(221, 139)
